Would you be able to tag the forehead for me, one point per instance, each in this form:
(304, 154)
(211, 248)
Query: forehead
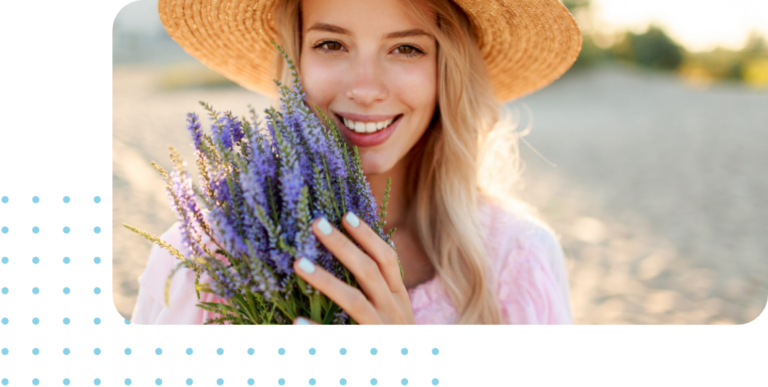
(358, 16)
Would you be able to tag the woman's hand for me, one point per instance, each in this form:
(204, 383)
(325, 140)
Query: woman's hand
(384, 299)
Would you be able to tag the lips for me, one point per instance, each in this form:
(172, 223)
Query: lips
(367, 139)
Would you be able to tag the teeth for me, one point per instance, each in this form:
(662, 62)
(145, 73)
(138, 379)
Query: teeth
(366, 127)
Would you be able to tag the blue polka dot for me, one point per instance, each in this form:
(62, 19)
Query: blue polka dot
(404, 351)
(189, 351)
(343, 351)
(127, 381)
(35, 290)
(35, 321)
(66, 382)
(220, 351)
(66, 199)
(66, 290)
(97, 260)
(35, 199)
(219, 381)
(312, 382)
(5, 321)
(66, 230)
(5, 199)
(127, 351)
(374, 351)
(250, 351)
(281, 351)
(4, 381)
(189, 381)
(158, 381)
(5, 290)
(5, 230)
(35, 229)
(281, 381)
(97, 199)
(5, 260)
(66, 320)
(35, 381)
(66, 351)
(404, 382)
(374, 382)
(312, 351)
(158, 351)
(66, 260)
(4, 351)
(251, 382)
(35, 351)
(127, 322)
(96, 351)
(435, 351)
(97, 290)
(435, 382)
(35, 260)
(97, 321)
(97, 230)
(343, 382)
(97, 381)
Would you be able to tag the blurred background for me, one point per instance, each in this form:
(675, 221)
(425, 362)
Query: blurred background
(648, 157)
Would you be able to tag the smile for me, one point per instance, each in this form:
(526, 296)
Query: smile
(367, 127)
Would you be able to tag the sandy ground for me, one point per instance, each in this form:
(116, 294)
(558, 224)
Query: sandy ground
(657, 189)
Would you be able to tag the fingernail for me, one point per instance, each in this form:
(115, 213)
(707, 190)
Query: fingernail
(324, 226)
(352, 219)
(302, 321)
(306, 266)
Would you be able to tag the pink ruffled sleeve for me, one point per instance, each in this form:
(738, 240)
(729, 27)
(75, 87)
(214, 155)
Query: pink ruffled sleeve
(150, 307)
(532, 283)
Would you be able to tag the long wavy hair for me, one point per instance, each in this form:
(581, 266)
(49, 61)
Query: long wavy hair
(467, 156)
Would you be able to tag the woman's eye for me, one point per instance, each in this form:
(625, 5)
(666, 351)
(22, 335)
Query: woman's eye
(333, 46)
(408, 50)
(405, 49)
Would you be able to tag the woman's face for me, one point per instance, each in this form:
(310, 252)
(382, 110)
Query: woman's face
(373, 68)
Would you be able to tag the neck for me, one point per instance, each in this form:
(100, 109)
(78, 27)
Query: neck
(397, 207)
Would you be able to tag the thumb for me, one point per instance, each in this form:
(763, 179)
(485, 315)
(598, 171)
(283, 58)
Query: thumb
(303, 321)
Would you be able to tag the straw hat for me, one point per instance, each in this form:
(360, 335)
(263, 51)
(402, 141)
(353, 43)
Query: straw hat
(526, 44)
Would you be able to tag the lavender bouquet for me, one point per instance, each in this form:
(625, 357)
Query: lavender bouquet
(262, 186)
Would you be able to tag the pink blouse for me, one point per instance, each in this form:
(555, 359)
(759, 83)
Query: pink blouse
(526, 257)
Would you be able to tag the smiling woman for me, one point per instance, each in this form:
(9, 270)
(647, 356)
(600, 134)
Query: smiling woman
(417, 87)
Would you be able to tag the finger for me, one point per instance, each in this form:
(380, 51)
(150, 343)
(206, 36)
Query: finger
(378, 249)
(350, 299)
(364, 268)
(303, 321)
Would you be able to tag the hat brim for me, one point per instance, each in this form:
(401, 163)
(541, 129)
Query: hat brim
(526, 44)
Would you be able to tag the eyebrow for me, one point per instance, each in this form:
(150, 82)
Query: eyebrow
(392, 35)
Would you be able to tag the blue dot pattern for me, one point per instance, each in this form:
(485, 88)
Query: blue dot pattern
(343, 382)
(66, 290)
(4, 320)
(5, 260)
(35, 199)
(343, 351)
(189, 351)
(66, 199)
(281, 351)
(435, 351)
(97, 230)
(66, 382)
(66, 320)
(97, 321)
(374, 351)
(35, 229)
(281, 381)
(66, 230)
(404, 382)
(66, 260)
(158, 381)
(97, 351)
(5, 199)
(404, 351)
(127, 351)
(312, 382)
(35, 381)
(251, 381)
(35, 290)
(97, 381)
(312, 351)
(250, 351)
(97, 260)
(5, 230)
(435, 382)
(374, 382)
(220, 351)
(219, 381)
(158, 351)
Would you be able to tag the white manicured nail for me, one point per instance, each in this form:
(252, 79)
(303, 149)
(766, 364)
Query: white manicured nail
(302, 321)
(306, 266)
(324, 226)
(352, 219)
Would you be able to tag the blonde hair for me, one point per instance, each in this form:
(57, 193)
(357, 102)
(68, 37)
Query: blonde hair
(465, 157)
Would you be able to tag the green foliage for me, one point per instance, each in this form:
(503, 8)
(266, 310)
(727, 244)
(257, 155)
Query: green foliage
(652, 48)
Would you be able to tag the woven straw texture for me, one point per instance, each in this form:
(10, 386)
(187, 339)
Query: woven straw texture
(526, 44)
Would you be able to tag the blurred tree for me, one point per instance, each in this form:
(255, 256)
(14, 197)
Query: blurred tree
(574, 5)
(652, 48)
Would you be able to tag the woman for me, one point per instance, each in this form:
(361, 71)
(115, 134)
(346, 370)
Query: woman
(417, 86)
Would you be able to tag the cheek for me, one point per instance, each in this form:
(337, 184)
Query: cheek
(320, 80)
(417, 89)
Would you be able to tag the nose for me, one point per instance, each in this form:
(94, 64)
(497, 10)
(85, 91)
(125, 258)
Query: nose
(367, 84)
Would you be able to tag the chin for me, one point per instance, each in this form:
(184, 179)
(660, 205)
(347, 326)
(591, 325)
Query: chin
(373, 164)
